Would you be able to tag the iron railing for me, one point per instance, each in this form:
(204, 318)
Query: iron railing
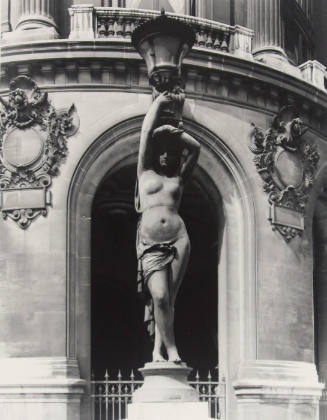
(110, 398)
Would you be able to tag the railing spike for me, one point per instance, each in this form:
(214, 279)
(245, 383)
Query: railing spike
(132, 375)
(106, 375)
(197, 376)
(119, 375)
(209, 375)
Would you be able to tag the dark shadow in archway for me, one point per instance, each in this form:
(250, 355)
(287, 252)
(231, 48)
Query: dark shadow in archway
(118, 336)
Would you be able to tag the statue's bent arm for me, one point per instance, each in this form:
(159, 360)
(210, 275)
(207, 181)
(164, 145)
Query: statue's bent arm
(189, 163)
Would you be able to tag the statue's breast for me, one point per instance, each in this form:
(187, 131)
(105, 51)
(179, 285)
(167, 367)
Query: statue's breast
(151, 185)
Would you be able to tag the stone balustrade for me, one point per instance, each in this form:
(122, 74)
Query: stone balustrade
(119, 23)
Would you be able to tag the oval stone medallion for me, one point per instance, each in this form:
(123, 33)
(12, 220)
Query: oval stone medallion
(289, 168)
(22, 147)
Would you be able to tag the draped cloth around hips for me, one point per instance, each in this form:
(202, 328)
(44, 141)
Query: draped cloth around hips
(151, 257)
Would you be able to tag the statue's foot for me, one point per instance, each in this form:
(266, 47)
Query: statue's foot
(174, 357)
(158, 357)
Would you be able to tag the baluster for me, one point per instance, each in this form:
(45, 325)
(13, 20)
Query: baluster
(113, 399)
(217, 42)
(101, 28)
(120, 27)
(202, 37)
(106, 388)
(126, 389)
(111, 27)
(132, 381)
(197, 378)
(224, 44)
(209, 41)
(100, 401)
(128, 29)
(93, 393)
(119, 395)
(203, 392)
(209, 393)
(215, 393)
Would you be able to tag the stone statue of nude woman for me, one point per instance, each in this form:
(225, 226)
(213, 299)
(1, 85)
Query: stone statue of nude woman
(167, 156)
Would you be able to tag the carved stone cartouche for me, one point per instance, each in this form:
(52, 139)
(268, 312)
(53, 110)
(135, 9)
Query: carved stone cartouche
(33, 144)
(286, 163)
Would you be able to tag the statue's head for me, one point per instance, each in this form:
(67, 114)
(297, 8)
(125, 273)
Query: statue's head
(167, 149)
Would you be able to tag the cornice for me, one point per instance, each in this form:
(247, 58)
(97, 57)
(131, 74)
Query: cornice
(210, 75)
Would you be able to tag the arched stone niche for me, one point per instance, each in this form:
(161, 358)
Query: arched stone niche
(228, 191)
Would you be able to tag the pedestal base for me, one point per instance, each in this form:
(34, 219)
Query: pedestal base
(166, 395)
(165, 382)
(168, 411)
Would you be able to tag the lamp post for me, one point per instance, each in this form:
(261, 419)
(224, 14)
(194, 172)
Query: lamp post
(163, 42)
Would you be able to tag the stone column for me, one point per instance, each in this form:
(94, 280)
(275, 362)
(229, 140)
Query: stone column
(36, 16)
(264, 17)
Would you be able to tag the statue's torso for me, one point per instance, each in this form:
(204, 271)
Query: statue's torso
(160, 198)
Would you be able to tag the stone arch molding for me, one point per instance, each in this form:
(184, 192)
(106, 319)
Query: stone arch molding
(118, 146)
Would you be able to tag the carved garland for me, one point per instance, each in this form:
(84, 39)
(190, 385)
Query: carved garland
(287, 164)
(33, 144)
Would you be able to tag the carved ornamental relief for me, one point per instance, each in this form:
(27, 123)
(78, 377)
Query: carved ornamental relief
(33, 144)
(287, 164)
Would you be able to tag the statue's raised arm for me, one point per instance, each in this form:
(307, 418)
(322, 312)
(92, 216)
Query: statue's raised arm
(149, 122)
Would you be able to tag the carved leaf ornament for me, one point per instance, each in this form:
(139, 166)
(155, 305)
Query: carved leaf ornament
(287, 164)
(33, 144)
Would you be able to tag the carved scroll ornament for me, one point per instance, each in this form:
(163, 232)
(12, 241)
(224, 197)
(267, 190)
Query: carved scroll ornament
(33, 144)
(287, 164)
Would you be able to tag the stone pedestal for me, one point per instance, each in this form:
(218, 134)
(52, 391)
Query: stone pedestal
(168, 411)
(166, 395)
(164, 382)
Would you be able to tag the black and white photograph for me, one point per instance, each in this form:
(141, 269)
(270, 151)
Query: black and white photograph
(163, 210)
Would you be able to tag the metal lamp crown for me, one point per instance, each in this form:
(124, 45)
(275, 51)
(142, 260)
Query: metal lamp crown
(163, 42)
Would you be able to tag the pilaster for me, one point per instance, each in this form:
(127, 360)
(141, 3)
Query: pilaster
(241, 42)
(314, 72)
(81, 22)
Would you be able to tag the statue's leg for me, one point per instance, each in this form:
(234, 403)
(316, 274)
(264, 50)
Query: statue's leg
(178, 267)
(157, 354)
(158, 285)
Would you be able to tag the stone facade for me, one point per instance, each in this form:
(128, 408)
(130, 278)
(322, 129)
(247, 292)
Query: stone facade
(271, 313)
